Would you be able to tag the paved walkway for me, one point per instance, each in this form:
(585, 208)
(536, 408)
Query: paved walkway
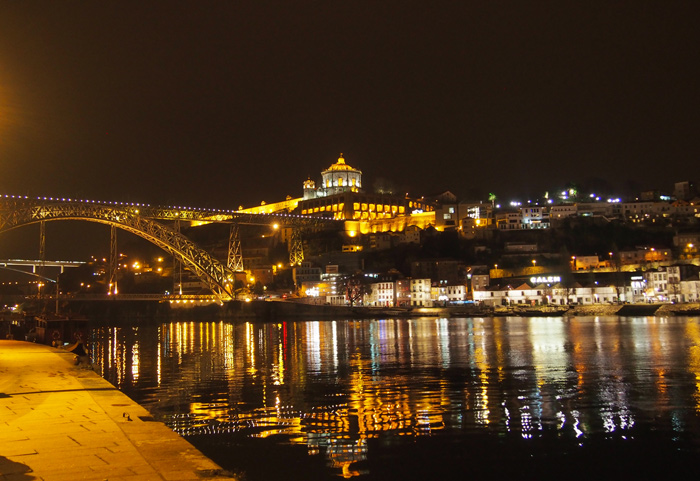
(62, 422)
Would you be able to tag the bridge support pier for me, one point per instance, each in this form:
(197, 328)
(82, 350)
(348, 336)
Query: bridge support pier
(113, 260)
(42, 246)
(235, 256)
(177, 265)
(296, 251)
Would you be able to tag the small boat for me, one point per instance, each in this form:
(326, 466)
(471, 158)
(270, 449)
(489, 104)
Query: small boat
(503, 312)
(57, 330)
(543, 311)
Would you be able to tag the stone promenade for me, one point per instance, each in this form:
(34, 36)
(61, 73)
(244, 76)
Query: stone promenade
(62, 422)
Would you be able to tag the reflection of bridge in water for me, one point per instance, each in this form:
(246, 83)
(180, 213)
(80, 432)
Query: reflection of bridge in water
(160, 226)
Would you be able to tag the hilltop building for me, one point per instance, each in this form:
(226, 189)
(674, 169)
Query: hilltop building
(340, 196)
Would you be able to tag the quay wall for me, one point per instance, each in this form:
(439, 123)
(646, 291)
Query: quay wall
(62, 421)
(270, 310)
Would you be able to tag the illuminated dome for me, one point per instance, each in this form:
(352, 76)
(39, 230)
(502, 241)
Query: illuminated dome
(340, 177)
(341, 165)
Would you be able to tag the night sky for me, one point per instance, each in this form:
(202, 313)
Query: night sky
(221, 104)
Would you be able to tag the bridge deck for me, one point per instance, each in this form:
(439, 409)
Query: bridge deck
(61, 422)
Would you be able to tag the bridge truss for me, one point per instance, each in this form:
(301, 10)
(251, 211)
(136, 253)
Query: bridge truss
(147, 222)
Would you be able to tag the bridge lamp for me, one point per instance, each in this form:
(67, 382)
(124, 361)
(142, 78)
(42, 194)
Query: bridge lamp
(275, 226)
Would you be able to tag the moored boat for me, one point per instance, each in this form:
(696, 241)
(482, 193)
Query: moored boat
(541, 311)
(57, 330)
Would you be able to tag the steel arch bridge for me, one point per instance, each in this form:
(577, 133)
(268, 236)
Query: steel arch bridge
(144, 221)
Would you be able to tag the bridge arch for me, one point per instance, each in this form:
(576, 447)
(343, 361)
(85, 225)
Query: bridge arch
(213, 273)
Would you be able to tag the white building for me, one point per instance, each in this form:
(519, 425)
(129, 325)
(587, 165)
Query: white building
(637, 290)
(562, 211)
(690, 290)
(421, 293)
(656, 285)
(534, 217)
(673, 287)
(641, 211)
(450, 294)
(546, 294)
(382, 294)
(512, 221)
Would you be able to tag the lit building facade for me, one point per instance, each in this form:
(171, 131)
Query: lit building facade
(336, 179)
(421, 295)
(341, 197)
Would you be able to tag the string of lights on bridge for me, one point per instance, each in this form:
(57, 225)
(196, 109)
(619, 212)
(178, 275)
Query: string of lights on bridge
(136, 204)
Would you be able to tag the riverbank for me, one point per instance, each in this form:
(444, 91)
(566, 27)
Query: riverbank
(264, 310)
(61, 422)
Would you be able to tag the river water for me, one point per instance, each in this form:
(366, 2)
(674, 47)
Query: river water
(481, 398)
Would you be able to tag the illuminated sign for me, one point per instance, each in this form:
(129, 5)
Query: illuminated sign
(545, 280)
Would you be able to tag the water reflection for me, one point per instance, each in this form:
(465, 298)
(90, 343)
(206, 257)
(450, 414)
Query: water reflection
(334, 386)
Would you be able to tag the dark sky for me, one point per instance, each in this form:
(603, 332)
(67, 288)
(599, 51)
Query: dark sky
(221, 104)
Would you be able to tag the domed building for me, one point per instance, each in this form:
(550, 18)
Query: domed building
(340, 196)
(340, 177)
(336, 179)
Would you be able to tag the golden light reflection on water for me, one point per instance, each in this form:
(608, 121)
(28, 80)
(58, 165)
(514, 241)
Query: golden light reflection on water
(334, 385)
(693, 333)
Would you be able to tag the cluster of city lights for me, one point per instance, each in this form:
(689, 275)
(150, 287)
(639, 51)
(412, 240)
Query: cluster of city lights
(594, 197)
